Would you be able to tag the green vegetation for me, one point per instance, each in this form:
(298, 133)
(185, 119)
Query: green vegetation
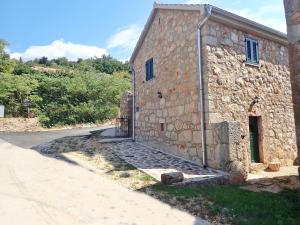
(61, 91)
(243, 207)
(6, 65)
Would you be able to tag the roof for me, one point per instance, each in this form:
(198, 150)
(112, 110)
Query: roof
(218, 15)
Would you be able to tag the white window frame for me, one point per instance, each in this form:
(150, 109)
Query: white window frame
(253, 44)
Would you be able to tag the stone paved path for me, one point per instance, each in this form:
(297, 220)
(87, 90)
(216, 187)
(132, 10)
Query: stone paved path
(155, 162)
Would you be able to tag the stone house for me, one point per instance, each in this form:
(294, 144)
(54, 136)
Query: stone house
(213, 87)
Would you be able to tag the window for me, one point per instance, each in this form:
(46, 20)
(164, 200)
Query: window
(149, 69)
(162, 127)
(252, 54)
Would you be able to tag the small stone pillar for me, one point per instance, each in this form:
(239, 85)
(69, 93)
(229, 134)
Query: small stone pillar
(126, 102)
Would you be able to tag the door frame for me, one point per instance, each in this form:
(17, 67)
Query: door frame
(260, 134)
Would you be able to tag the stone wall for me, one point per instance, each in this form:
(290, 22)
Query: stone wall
(223, 144)
(292, 10)
(126, 115)
(233, 85)
(126, 105)
(170, 123)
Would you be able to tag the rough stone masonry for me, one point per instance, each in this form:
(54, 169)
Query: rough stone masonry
(233, 85)
(171, 122)
(292, 11)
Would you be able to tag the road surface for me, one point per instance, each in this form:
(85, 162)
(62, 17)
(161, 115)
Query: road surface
(39, 190)
(30, 139)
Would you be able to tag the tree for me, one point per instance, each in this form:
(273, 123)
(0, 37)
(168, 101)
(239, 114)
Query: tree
(62, 61)
(22, 68)
(43, 61)
(6, 64)
(63, 91)
(108, 65)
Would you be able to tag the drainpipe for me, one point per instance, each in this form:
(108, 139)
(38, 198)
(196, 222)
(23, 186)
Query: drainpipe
(208, 9)
(133, 100)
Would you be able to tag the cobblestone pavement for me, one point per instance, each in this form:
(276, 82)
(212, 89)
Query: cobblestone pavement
(155, 162)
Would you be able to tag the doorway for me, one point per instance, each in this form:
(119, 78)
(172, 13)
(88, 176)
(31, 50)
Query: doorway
(254, 138)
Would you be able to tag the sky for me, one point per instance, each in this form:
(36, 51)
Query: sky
(90, 28)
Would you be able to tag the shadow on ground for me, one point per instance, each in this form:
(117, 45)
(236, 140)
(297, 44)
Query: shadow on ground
(89, 148)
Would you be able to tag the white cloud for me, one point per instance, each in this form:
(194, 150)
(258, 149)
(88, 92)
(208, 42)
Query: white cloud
(125, 38)
(267, 15)
(60, 48)
(196, 1)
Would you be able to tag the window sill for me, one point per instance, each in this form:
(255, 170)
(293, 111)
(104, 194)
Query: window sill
(150, 79)
(253, 64)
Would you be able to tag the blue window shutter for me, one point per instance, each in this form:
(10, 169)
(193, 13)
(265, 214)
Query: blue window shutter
(148, 71)
(248, 50)
(151, 68)
(252, 51)
(255, 52)
(146, 68)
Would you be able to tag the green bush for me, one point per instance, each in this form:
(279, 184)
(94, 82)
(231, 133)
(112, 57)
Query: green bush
(83, 98)
(64, 98)
(62, 92)
(13, 91)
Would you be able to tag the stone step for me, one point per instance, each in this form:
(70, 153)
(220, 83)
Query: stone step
(256, 167)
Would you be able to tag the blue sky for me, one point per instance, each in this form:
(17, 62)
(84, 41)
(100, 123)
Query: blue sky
(86, 28)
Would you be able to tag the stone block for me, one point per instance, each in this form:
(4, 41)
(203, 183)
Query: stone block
(170, 178)
(152, 118)
(161, 120)
(237, 172)
(234, 37)
(185, 136)
(180, 110)
(197, 137)
(211, 40)
(274, 166)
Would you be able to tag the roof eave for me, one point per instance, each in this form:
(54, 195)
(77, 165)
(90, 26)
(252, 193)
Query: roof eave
(157, 6)
(218, 15)
(143, 35)
(224, 17)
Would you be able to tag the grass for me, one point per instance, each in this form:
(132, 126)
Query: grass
(145, 177)
(244, 207)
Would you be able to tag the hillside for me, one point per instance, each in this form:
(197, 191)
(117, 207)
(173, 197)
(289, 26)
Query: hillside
(60, 91)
